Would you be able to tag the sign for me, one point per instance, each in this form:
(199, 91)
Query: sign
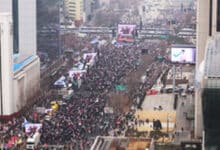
(126, 33)
(108, 110)
(183, 55)
(120, 87)
(40, 110)
(164, 36)
(76, 73)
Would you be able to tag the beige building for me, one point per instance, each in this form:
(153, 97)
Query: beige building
(202, 35)
(74, 9)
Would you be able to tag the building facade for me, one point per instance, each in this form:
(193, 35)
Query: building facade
(6, 61)
(74, 10)
(104, 2)
(20, 66)
(87, 10)
(48, 31)
(208, 74)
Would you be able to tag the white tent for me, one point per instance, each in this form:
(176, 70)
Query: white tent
(61, 81)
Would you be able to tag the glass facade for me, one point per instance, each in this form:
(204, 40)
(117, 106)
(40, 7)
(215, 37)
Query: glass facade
(210, 18)
(15, 26)
(211, 111)
(218, 15)
(1, 103)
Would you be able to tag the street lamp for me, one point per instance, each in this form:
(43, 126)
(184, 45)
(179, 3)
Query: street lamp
(168, 119)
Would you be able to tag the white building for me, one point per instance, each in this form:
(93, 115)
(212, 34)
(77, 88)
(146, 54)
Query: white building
(20, 66)
(6, 61)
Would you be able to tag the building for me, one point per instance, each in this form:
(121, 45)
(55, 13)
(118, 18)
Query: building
(6, 72)
(104, 2)
(122, 143)
(208, 74)
(20, 66)
(90, 6)
(48, 27)
(74, 10)
(202, 35)
(88, 10)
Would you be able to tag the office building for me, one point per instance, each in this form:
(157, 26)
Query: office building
(48, 22)
(91, 5)
(87, 10)
(6, 63)
(74, 10)
(208, 74)
(104, 2)
(20, 66)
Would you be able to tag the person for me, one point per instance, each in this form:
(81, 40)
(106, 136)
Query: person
(183, 56)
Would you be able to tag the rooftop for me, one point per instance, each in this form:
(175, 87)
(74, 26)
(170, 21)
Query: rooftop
(21, 64)
(122, 143)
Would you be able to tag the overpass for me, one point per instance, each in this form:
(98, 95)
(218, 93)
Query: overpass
(110, 30)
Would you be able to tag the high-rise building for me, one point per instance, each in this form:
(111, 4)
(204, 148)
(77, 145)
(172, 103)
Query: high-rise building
(6, 63)
(87, 10)
(90, 6)
(104, 2)
(74, 10)
(48, 27)
(202, 35)
(207, 102)
(20, 66)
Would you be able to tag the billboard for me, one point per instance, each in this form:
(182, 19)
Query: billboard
(126, 33)
(183, 55)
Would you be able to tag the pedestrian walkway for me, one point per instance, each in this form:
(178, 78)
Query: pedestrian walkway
(184, 127)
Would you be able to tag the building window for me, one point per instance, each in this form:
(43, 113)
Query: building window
(210, 18)
(218, 15)
(15, 26)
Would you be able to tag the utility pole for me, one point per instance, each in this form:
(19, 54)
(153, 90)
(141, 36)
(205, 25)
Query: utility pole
(168, 119)
(174, 78)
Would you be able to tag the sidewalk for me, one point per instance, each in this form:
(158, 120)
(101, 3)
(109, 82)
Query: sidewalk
(183, 126)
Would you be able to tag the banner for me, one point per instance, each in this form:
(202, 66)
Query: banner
(40, 110)
(32, 127)
(126, 33)
(76, 73)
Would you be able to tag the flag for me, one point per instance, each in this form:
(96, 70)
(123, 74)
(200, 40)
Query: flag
(25, 122)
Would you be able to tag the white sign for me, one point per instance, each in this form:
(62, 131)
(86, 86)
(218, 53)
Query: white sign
(77, 73)
(40, 110)
(30, 127)
(108, 110)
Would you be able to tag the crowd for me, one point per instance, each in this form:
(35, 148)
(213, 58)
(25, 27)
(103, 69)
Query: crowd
(83, 117)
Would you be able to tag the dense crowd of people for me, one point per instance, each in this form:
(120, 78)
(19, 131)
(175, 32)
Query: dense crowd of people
(83, 117)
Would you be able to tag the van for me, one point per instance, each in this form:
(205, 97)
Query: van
(33, 141)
